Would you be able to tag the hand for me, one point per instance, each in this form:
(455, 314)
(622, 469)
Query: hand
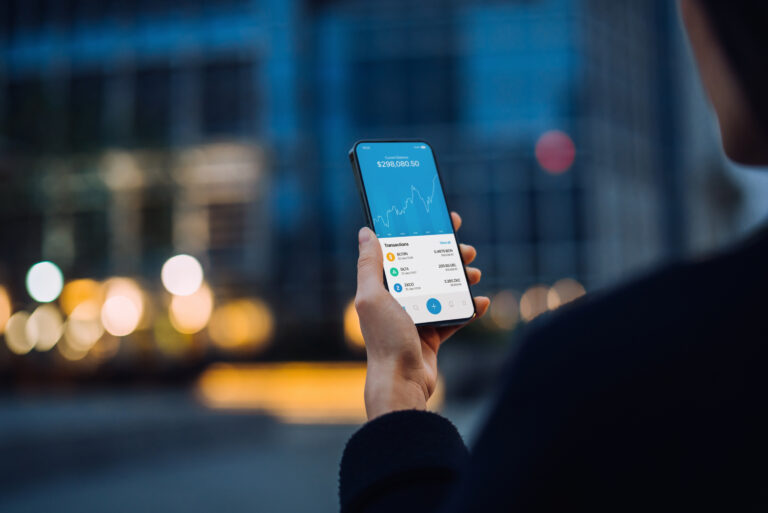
(402, 360)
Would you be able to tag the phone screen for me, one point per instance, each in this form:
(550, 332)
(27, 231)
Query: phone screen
(422, 263)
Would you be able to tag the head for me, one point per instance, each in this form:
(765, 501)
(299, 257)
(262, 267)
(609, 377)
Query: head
(730, 44)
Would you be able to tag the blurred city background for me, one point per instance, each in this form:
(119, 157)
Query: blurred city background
(178, 219)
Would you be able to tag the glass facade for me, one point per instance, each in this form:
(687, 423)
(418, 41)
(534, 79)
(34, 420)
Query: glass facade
(222, 130)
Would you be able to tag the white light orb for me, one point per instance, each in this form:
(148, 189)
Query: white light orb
(120, 316)
(44, 327)
(44, 282)
(182, 275)
(16, 334)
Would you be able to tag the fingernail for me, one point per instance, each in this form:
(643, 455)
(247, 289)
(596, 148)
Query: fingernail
(363, 235)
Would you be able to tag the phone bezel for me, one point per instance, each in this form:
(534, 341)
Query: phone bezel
(369, 219)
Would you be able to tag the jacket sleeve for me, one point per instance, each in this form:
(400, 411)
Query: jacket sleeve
(400, 462)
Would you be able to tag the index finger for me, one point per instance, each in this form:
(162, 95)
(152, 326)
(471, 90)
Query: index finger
(456, 220)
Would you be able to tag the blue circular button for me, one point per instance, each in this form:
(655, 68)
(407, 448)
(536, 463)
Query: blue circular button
(398, 287)
(434, 306)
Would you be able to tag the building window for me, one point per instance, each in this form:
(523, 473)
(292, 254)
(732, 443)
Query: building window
(228, 98)
(30, 115)
(404, 91)
(157, 224)
(86, 94)
(152, 109)
(91, 233)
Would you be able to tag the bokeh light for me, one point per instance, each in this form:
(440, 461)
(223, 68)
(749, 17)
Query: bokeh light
(16, 334)
(352, 331)
(5, 308)
(242, 325)
(182, 275)
(70, 353)
(504, 310)
(564, 291)
(533, 302)
(77, 292)
(437, 399)
(295, 392)
(44, 327)
(83, 328)
(44, 282)
(121, 171)
(120, 316)
(190, 314)
(129, 289)
(555, 151)
(105, 348)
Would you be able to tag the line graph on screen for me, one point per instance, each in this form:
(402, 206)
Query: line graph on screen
(411, 200)
(418, 213)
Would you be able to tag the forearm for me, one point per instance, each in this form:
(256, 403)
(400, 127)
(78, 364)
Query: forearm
(388, 389)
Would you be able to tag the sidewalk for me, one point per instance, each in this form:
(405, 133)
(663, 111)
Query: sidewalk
(159, 452)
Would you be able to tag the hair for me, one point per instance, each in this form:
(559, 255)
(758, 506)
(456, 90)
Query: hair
(742, 29)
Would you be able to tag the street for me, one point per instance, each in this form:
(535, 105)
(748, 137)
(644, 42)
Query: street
(161, 451)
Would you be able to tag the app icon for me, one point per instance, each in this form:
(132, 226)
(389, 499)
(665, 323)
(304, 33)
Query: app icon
(434, 306)
(393, 271)
(398, 287)
(391, 257)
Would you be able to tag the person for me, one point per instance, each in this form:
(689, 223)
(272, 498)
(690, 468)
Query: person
(648, 397)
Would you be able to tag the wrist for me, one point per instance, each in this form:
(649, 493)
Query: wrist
(388, 390)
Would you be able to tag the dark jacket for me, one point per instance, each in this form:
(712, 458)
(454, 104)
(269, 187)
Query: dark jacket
(650, 397)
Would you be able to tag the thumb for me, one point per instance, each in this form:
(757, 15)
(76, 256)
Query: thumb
(370, 265)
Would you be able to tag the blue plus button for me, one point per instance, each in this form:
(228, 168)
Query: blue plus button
(434, 306)
(398, 287)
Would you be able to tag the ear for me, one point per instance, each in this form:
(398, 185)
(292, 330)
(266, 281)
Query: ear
(744, 139)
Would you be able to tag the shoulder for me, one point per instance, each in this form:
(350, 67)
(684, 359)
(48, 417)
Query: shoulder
(657, 328)
(602, 391)
(680, 297)
(685, 324)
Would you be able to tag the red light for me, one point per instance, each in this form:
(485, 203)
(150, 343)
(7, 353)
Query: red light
(555, 151)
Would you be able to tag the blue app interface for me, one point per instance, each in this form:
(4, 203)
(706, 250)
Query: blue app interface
(403, 189)
(421, 258)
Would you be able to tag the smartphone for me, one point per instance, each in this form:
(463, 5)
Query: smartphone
(404, 204)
